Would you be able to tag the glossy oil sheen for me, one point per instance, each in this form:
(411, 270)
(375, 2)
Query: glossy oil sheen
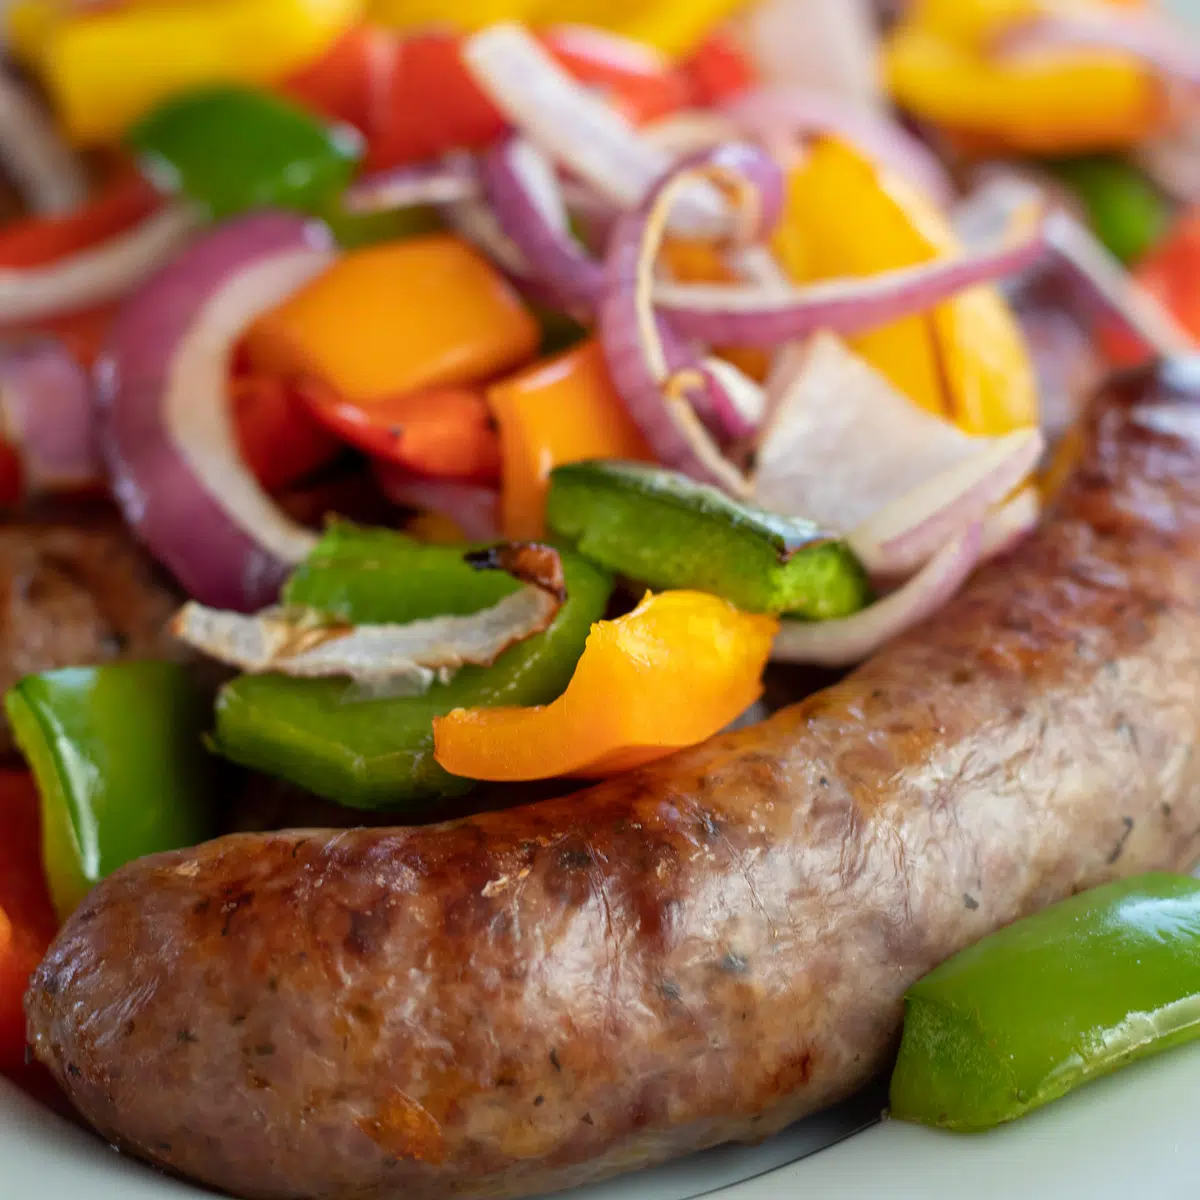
(1077, 991)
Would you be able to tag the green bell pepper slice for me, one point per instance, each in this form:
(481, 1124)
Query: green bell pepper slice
(1125, 210)
(231, 149)
(665, 530)
(368, 752)
(1051, 1002)
(118, 756)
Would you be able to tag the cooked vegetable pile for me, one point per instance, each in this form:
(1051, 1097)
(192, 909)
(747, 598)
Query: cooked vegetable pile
(503, 400)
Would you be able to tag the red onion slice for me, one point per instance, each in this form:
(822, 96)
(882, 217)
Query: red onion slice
(661, 384)
(778, 115)
(106, 272)
(575, 127)
(902, 536)
(165, 424)
(47, 414)
(849, 640)
(475, 510)
(757, 316)
(445, 182)
(528, 205)
(843, 444)
(1162, 45)
(1007, 526)
(49, 176)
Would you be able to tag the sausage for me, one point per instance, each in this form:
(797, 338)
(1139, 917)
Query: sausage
(75, 589)
(701, 951)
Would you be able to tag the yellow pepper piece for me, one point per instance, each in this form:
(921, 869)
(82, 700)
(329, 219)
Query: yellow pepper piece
(1081, 101)
(668, 25)
(965, 359)
(106, 68)
(395, 318)
(972, 22)
(673, 672)
(563, 410)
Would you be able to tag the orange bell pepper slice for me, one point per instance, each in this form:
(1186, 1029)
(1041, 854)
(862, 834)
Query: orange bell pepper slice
(445, 432)
(673, 672)
(966, 359)
(559, 411)
(27, 920)
(397, 317)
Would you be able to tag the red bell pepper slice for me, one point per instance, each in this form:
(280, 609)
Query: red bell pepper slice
(716, 71)
(348, 82)
(446, 432)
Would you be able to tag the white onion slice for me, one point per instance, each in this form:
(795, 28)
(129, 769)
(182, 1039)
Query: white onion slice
(48, 175)
(95, 276)
(197, 417)
(576, 128)
(1006, 526)
(410, 187)
(846, 641)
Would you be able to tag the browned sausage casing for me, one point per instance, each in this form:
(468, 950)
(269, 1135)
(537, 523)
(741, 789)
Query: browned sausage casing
(697, 952)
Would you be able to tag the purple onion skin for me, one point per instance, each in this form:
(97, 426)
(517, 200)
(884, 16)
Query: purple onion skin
(181, 524)
(617, 310)
(56, 414)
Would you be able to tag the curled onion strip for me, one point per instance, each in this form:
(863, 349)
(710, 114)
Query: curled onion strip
(48, 174)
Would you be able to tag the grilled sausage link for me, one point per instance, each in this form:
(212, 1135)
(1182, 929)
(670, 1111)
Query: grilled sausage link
(697, 952)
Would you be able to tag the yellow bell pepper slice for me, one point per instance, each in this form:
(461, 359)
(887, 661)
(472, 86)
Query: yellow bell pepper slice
(972, 22)
(966, 359)
(397, 317)
(106, 68)
(673, 672)
(1077, 102)
(668, 25)
(563, 410)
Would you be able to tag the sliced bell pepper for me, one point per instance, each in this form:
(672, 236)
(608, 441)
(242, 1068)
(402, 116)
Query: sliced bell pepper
(1051, 1002)
(429, 104)
(1125, 210)
(423, 313)
(278, 437)
(975, 22)
(36, 241)
(1170, 273)
(716, 71)
(347, 82)
(120, 765)
(107, 67)
(965, 359)
(662, 529)
(364, 751)
(673, 672)
(557, 411)
(83, 333)
(1077, 103)
(27, 919)
(232, 148)
(445, 432)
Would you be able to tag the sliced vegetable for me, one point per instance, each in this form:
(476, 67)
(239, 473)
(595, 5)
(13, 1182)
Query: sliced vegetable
(444, 432)
(348, 82)
(47, 416)
(110, 65)
(369, 752)
(396, 318)
(166, 428)
(277, 438)
(307, 644)
(230, 149)
(1126, 213)
(716, 71)
(900, 506)
(465, 512)
(663, 529)
(120, 764)
(27, 919)
(105, 271)
(1051, 1002)
(35, 157)
(625, 703)
(562, 410)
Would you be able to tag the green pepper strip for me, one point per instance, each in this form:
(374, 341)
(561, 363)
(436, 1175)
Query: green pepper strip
(366, 752)
(232, 149)
(666, 530)
(118, 756)
(1051, 1002)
